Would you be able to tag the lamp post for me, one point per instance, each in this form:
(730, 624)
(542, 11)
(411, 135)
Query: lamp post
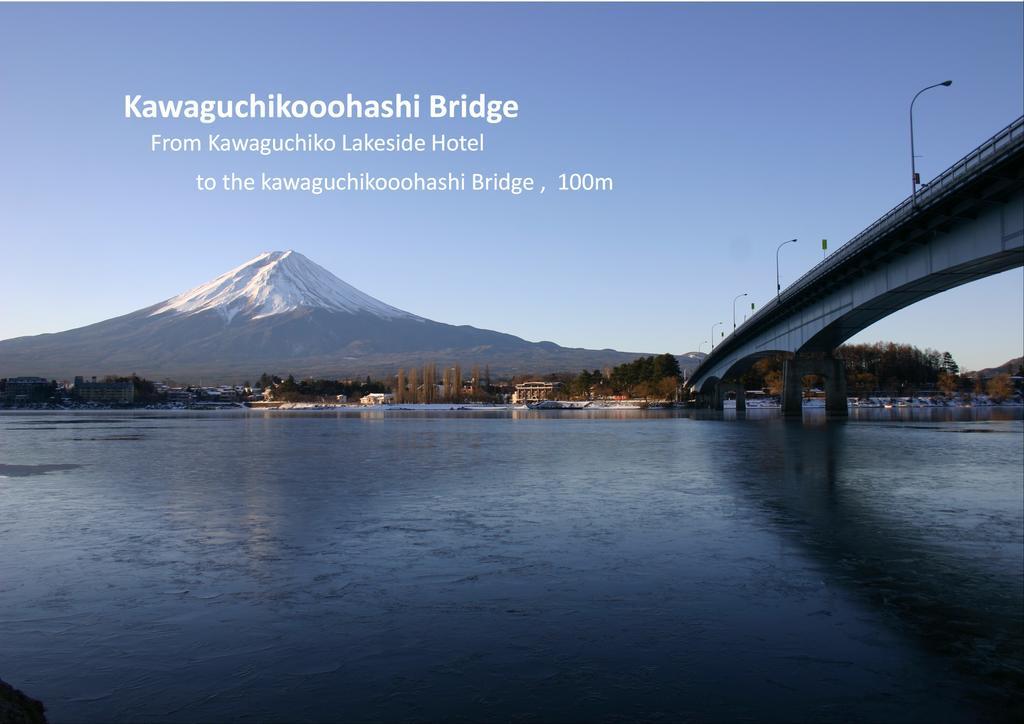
(778, 285)
(713, 334)
(738, 297)
(701, 345)
(913, 159)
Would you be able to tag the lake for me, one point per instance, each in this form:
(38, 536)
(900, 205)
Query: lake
(514, 566)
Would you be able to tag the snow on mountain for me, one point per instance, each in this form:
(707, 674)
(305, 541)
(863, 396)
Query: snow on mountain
(273, 283)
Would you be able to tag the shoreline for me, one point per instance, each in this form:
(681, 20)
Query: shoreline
(916, 402)
(810, 405)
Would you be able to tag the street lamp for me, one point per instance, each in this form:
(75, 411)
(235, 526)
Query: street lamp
(914, 180)
(778, 285)
(738, 297)
(713, 334)
(701, 345)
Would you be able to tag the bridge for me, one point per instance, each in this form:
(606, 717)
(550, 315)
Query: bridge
(966, 224)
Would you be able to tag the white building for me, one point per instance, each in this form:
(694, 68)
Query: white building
(377, 398)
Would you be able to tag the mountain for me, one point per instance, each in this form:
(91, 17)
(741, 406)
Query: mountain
(281, 313)
(1010, 367)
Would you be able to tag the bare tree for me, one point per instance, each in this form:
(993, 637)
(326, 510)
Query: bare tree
(430, 382)
(773, 381)
(948, 382)
(400, 386)
(1000, 387)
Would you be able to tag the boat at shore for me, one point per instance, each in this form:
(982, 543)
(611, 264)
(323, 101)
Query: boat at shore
(558, 405)
(590, 405)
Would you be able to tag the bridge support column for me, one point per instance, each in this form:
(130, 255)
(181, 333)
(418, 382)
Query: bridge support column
(792, 388)
(710, 395)
(724, 388)
(831, 368)
(715, 397)
(835, 387)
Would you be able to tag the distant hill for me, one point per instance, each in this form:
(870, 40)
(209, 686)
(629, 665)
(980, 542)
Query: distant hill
(1011, 367)
(281, 313)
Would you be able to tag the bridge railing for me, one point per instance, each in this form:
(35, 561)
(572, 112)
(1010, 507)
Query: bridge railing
(986, 155)
(977, 161)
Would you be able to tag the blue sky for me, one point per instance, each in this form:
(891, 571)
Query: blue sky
(727, 129)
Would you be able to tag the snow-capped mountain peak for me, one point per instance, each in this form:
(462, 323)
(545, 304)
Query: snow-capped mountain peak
(276, 282)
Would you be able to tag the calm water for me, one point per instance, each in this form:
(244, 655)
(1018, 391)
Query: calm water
(535, 567)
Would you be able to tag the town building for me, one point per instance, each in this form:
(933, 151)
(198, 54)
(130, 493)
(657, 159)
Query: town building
(121, 392)
(535, 392)
(18, 390)
(228, 393)
(180, 396)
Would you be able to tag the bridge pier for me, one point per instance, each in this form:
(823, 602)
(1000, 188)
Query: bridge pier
(714, 394)
(801, 364)
(724, 388)
(710, 398)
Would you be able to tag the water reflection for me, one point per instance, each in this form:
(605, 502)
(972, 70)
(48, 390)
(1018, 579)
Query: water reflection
(960, 606)
(879, 414)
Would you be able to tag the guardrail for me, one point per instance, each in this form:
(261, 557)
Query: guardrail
(967, 168)
(1007, 141)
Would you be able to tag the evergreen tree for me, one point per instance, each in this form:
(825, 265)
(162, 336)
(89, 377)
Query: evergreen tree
(949, 364)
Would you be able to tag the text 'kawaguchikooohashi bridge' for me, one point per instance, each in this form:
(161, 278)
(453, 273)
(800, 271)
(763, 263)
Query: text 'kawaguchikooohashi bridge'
(966, 224)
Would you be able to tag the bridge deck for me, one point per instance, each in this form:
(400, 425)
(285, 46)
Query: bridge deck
(937, 200)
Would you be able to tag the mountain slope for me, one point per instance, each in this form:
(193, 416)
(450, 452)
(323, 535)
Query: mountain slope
(1010, 367)
(279, 313)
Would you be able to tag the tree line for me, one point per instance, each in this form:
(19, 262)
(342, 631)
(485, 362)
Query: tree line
(431, 384)
(317, 390)
(653, 377)
(886, 368)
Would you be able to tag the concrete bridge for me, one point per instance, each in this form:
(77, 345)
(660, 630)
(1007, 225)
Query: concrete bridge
(966, 224)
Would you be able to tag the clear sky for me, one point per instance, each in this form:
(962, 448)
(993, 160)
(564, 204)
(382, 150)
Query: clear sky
(727, 129)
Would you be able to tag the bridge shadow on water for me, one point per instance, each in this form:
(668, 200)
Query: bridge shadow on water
(936, 584)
